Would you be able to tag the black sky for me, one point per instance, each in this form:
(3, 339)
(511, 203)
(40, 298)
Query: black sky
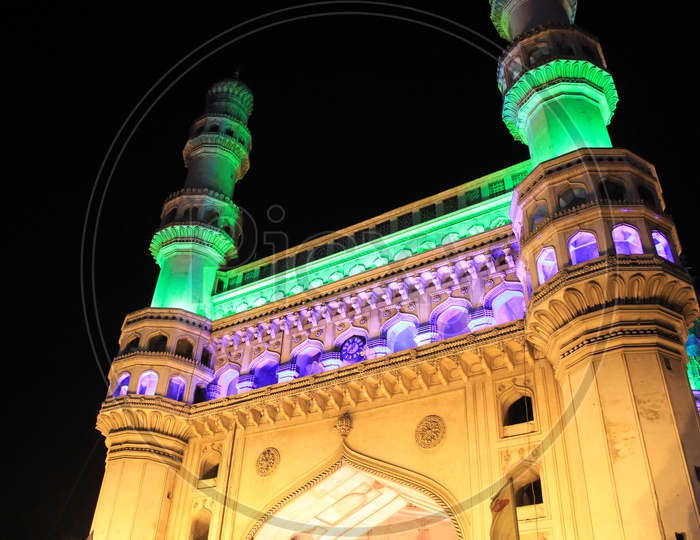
(360, 107)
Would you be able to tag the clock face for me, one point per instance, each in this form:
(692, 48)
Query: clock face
(352, 349)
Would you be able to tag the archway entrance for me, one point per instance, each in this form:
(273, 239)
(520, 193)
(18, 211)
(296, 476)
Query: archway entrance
(351, 503)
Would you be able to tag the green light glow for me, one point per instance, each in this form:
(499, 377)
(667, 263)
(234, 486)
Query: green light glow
(693, 350)
(463, 223)
(189, 257)
(559, 107)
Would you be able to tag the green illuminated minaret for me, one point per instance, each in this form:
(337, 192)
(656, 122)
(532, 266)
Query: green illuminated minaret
(608, 304)
(200, 224)
(557, 93)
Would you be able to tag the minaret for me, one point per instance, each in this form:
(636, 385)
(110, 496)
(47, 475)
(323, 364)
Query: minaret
(165, 360)
(200, 225)
(557, 93)
(609, 305)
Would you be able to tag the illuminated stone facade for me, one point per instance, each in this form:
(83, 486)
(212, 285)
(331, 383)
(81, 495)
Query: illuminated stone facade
(386, 380)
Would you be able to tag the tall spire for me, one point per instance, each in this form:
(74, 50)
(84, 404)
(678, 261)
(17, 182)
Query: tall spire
(217, 151)
(557, 93)
(200, 225)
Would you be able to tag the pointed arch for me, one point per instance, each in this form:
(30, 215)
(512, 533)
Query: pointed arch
(400, 332)
(199, 529)
(422, 494)
(451, 317)
(227, 380)
(307, 357)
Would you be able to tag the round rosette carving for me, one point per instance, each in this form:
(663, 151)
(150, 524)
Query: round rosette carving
(430, 431)
(267, 462)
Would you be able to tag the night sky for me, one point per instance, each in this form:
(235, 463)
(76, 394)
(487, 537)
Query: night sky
(359, 108)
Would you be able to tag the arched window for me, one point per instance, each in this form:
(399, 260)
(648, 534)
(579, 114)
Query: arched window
(200, 394)
(132, 346)
(546, 264)
(184, 348)
(646, 195)
(176, 389)
(610, 190)
(211, 217)
(227, 382)
(569, 198)
(122, 386)
(627, 241)
(529, 494)
(206, 358)
(538, 216)
(401, 336)
(200, 525)
(265, 374)
(210, 466)
(147, 383)
(583, 247)
(453, 322)
(158, 343)
(663, 248)
(508, 306)
(308, 361)
(520, 411)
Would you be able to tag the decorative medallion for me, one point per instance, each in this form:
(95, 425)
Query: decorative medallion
(411, 306)
(267, 462)
(386, 313)
(297, 338)
(430, 431)
(276, 345)
(436, 299)
(340, 327)
(343, 425)
(237, 357)
(363, 320)
(256, 351)
(319, 332)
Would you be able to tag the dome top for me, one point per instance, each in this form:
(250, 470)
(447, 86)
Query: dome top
(231, 90)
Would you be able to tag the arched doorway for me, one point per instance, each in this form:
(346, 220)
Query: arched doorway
(357, 504)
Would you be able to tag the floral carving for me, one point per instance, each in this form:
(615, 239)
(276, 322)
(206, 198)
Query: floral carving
(267, 462)
(430, 431)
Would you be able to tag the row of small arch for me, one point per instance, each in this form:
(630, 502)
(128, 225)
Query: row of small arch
(583, 246)
(571, 197)
(456, 318)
